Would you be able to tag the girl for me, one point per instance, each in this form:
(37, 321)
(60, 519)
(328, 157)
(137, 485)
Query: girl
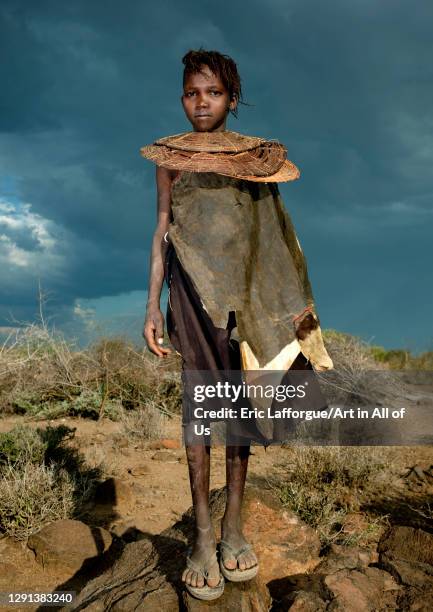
(218, 206)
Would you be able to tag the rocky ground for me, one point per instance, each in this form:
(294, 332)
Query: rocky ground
(128, 550)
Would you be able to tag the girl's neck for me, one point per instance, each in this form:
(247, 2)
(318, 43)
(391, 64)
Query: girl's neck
(220, 128)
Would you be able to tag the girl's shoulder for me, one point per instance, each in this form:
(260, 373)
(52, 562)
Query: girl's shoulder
(167, 175)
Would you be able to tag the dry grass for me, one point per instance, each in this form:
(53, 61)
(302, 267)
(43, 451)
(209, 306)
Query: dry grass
(32, 497)
(42, 375)
(45, 376)
(144, 424)
(42, 479)
(357, 378)
(324, 484)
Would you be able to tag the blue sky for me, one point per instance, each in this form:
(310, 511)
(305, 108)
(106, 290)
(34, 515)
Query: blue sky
(346, 86)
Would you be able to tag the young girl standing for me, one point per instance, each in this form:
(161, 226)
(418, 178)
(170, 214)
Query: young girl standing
(218, 204)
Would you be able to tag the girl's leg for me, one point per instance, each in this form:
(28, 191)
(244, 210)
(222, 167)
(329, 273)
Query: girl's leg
(198, 456)
(231, 530)
(203, 347)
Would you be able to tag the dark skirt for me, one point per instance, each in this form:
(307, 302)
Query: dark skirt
(206, 347)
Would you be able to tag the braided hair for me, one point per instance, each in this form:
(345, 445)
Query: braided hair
(221, 65)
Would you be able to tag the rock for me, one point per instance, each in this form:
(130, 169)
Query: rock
(309, 587)
(67, 544)
(251, 596)
(408, 544)
(345, 579)
(346, 557)
(371, 589)
(9, 546)
(10, 574)
(409, 574)
(344, 574)
(115, 493)
(167, 443)
(307, 602)
(122, 528)
(407, 553)
(170, 444)
(15, 558)
(139, 470)
(164, 455)
(284, 545)
(419, 603)
(147, 575)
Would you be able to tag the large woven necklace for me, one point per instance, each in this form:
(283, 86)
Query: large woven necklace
(229, 153)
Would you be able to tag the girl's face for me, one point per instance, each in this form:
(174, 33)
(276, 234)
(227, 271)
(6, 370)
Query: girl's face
(206, 101)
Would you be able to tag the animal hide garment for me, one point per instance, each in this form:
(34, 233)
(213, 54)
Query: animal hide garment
(238, 245)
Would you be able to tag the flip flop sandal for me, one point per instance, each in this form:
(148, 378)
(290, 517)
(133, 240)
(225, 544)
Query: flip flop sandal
(236, 575)
(205, 592)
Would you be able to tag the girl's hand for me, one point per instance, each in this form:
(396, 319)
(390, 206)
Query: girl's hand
(153, 332)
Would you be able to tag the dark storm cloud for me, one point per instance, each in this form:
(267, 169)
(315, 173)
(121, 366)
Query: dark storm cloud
(21, 237)
(346, 86)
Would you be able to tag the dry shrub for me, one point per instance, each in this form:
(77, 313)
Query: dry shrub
(145, 423)
(32, 497)
(20, 446)
(323, 484)
(46, 376)
(42, 479)
(137, 378)
(357, 378)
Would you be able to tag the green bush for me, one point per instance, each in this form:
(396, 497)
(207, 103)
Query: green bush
(22, 444)
(401, 359)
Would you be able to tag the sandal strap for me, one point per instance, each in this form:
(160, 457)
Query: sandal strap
(236, 552)
(200, 568)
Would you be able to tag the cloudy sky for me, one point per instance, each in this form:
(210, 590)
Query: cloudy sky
(346, 86)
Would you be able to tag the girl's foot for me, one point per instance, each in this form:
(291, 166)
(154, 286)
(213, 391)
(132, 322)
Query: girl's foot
(236, 553)
(203, 558)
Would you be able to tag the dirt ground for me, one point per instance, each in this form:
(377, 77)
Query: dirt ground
(157, 476)
(158, 484)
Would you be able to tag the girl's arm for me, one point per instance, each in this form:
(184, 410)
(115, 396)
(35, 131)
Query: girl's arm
(154, 323)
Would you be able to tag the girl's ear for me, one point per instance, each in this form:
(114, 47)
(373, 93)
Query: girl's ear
(233, 103)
